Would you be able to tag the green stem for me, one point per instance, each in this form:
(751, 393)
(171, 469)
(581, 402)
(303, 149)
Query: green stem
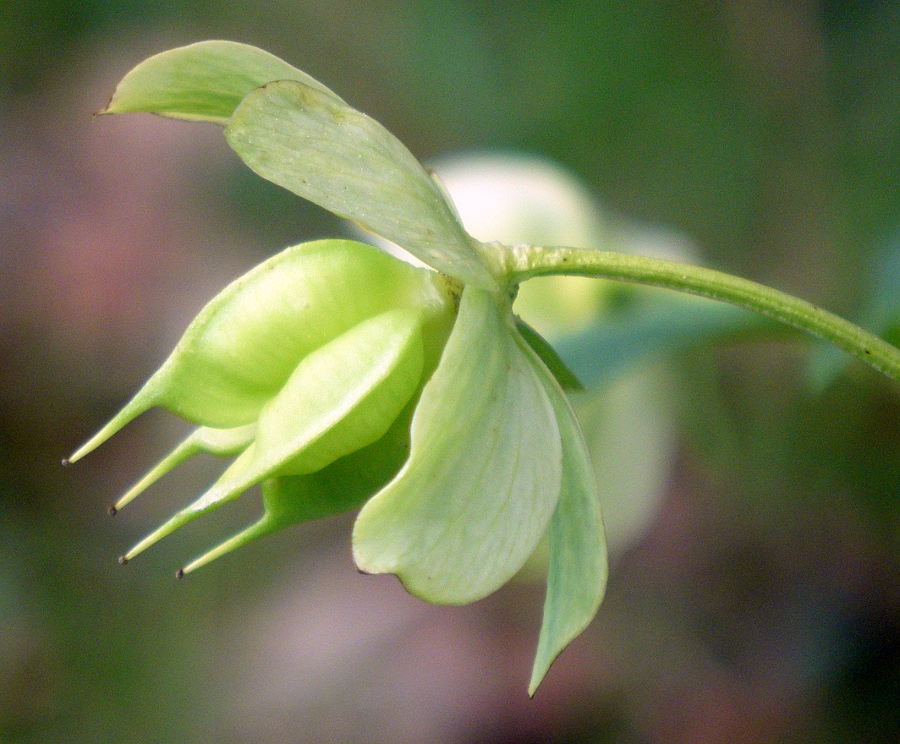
(524, 262)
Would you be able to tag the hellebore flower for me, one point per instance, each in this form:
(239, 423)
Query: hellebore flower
(340, 376)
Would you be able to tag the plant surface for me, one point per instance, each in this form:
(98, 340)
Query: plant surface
(340, 377)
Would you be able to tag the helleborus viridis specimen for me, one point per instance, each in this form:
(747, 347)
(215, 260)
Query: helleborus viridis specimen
(340, 377)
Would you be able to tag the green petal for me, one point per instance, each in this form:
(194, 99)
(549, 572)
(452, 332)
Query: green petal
(340, 398)
(576, 578)
(483, 476)
(243, 346)
(201, 82)
(219, 442)
(325, 151)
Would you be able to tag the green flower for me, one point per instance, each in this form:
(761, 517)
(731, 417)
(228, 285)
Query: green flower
(340, 376)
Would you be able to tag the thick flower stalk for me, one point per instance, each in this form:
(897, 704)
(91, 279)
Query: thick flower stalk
(339, 377)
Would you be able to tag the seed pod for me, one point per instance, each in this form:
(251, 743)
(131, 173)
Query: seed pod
(345, 484)
(244, 345)
(341, 485)
(341, 398)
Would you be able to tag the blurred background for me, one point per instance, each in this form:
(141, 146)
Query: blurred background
(750, 478)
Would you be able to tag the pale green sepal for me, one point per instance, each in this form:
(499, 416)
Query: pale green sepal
(325, 151)
(342, 397)
(576, 578)
(483, 476)
(204, 440)
(201, 82)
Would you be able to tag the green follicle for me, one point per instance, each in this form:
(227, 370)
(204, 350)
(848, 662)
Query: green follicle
(244, 345)
(343, 485)
(134, 408)
(340, 399)
(265, 526)
(200, 506)
(325, 348)
(283, 506)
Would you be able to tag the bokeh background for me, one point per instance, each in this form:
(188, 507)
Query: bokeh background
(755, 593)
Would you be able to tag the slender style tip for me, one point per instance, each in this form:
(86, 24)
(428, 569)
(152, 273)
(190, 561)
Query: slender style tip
(123, 560)
(264, 526)
(179, 574)
(179, 520)
(65, 462)
(136, 406)
(112, 511)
